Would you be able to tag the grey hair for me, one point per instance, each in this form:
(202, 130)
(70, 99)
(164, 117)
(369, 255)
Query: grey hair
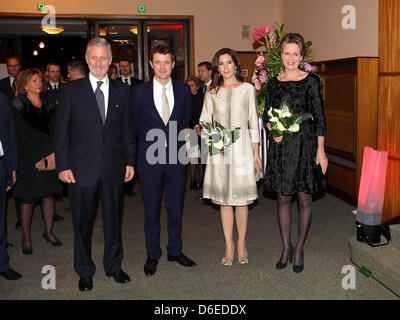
(99, 42)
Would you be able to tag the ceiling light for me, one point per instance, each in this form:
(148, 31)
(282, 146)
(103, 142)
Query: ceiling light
(41, 45)
(52, 30)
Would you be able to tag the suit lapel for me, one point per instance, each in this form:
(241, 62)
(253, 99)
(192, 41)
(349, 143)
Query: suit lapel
(176, 101)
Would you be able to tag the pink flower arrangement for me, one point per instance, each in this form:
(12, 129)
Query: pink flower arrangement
(269, 63)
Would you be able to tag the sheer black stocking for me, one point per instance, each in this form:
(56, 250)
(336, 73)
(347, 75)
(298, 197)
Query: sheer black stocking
(284, 203)
(304, 202)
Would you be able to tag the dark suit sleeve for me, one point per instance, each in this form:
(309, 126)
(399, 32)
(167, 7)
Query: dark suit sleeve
(13, 142)
(62, 131)
(135, 109)
(129, 135)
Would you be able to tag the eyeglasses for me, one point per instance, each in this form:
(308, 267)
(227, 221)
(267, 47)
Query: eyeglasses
(102, 59)
(13, 65)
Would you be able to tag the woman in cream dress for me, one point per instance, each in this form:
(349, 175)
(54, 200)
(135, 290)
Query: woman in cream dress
(229, 178)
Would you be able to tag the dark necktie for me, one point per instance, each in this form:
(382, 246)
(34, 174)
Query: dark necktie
(204, 89)
(13, 87)
(100, 101)
(126, 81)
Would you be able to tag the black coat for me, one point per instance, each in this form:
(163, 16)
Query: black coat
(134, 81)
(5, 88)
(197, 107)
(35, 134)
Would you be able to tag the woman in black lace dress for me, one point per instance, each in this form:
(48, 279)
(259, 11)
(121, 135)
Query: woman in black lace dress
(299, 166)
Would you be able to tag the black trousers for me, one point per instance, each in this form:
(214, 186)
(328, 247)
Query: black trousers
(83, 208)
(3, 237)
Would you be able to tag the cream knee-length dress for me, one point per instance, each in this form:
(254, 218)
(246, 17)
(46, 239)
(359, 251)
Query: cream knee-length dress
(229, 178)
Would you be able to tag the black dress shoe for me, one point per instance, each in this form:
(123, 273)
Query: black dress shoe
(193, 185)
(199, 198)
(299, 268)
(27, 251)
(10, 274)
(85, 284)
(18, 226)
(119, 276)
(199, 185)
(182, 260)
(9, 245)
(150, 267)
(56, 243)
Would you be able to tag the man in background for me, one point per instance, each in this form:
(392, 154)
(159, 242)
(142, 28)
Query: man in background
(126, 77)
(54, 86)
(8, 85)
(77, 70)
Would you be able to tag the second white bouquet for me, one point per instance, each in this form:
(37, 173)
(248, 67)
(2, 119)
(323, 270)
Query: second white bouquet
(217, 137)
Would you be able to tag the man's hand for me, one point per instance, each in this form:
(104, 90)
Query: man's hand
(198, 130)
(66, 176)
(129, 173)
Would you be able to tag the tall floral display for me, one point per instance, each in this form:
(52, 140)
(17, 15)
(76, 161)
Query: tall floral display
(269, 61)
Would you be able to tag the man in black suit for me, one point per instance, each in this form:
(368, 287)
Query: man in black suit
(8, 85)
(8, 167)
(54, 86)
(162, 106)
(95, 152)
(77, 70)
(126, 74)
(126, 77)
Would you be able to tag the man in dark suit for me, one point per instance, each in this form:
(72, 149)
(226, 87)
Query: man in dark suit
(54, 86)
(162, 107)
(8, 85)
(126, 77)
(95, 152)
(8, 167)
(126, 74)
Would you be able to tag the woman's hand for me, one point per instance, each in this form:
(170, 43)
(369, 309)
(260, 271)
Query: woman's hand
(322, 160)
(198, 130)
(51, 162)
(257, 161)
(40, 165)
(278, 139)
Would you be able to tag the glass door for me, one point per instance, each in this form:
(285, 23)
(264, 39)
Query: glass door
(174, 34)
(126, 43)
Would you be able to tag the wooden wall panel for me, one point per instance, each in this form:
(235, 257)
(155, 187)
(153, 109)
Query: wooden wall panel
(389, 103)
(342, 179)
(389, 114)
(367, 107)
(247, 60)
(389, 36)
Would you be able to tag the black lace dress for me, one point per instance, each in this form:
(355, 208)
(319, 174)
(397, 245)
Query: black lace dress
(291, 165)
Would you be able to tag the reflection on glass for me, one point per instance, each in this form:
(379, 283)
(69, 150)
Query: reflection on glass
(172, 35)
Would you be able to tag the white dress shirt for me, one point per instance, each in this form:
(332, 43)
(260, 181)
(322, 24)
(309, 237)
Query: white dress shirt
(157, 93)
(1, 150)
(11, 81)
(206, 86)
(128, 78)
(54, 84)
(105, 87)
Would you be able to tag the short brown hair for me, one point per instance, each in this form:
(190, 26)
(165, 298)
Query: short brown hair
(162, 49)
(25, 77)
(293, 38)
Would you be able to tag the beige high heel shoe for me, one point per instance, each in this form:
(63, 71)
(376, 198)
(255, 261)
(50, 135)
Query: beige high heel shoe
(244, 260)
(228, 262)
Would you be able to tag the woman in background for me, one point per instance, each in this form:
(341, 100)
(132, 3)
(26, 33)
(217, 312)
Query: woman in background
(34, 117)
(196, 178)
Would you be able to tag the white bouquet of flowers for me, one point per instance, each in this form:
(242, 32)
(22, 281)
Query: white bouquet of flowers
(217, 137)
(284, 122)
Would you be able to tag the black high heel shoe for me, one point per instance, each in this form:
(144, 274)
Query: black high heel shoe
(281, 265)
(56, 243)
(26, 251)
(299, 268)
